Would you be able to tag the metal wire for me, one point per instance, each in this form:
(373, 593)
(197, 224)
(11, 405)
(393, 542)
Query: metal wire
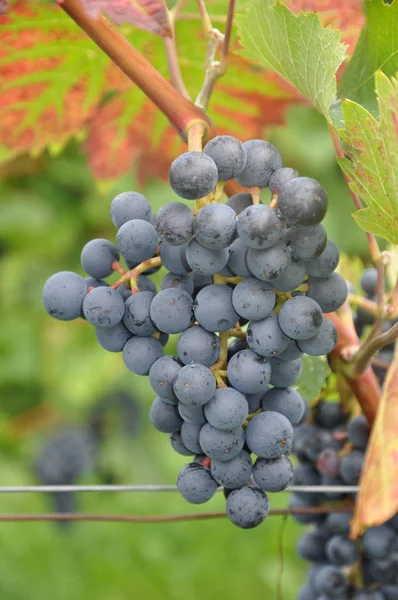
(29, 489)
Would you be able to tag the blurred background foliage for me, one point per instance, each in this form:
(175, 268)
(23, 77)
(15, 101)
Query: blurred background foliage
(54, 373)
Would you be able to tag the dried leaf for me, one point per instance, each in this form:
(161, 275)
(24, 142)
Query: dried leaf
(378, 496)
(150, 15)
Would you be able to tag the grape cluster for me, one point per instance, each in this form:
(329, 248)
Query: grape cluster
(260, 275)
(331, 449)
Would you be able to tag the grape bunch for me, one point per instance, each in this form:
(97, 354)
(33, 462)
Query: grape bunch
(331, 448)
(245, 287)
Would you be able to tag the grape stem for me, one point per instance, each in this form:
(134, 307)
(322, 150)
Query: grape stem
(222, 358)
(367, 305)
(116, 266)
(255, 192)
(133, 274)
(364, 355)
(172, 61)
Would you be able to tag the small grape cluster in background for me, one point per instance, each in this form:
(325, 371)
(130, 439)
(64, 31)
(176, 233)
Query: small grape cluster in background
(331, 448)
(246, 288)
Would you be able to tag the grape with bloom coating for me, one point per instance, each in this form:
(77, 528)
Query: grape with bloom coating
(130, 205)
(269, 435)
(193, 175)
(221, 445)
(213, 308)
(174, 223)
(247, 507)
(63, 295)
(248, 372)
(97, 257)
(262, 159)
(215, 226)
(229, 155)
(302, 201)
(137, 240)
(227, 409)
(259, 227)
(196, 484)
(253, 299)
(199, 346)
(269, 264)
(103, 307)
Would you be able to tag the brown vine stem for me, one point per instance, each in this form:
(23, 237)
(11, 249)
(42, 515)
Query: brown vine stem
(374, 249)
(316, 510)
(365, 387)
(363, 357)
(174, 66)
(179, 110)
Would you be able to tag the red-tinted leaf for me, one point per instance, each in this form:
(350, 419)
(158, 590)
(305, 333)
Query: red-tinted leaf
(150, 15)
(3, 7)
(378, 496)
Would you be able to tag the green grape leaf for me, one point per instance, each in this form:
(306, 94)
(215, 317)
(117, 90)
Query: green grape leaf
(312, 380)
(377, 48)
(296, 47)
(371, 161)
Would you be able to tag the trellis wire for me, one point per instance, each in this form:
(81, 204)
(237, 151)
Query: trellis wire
(29, 489)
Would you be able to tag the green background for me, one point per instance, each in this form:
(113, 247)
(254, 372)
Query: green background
(52, 372)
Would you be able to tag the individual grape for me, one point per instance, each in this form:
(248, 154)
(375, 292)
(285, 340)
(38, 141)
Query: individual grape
(305, 501)
(237, 259)
(178, 445)
(280, 178)
(379, 542)
(259, 227)
(194, 384)
(330, 292)
(171, 310)
(63, 295)
(358, 432)
(136, 316)
(254, 401)
(340, 550)
(329, 414)
(192, 414)
(304, 474)
(306, 243)
(291, 352)
(221, 445)
(92, 282)
(161, 377)
(113, 339)
(97, 257)
(324, 264)
(174, 223)
(351, 467)
(165, 417)
(303, 201)
(235, 346)
(328, 463)
(137, 240)
(196, 484)
(292, 277)
(227, 409)
(300, 318)
(213, 308)
(269, 264)
(322, 342)
(173, 258)
(311, 545)
(182, 282)
(128, 206)
(198, 346)
(331, 581)
(262, 159)
(206, 261)
(269, 435)
(235, 472)
(247, 507)
(240, 201)
(307, 592)
(286, 401)
(285, 373)
(248, 372)
(339, 523)
(369, 281)
(273, 475)
(215, 226)
(190, 435)
(265, 337)
(193, 175)
(229, 155)
(385, 570)
(103, 307)
(390, 592)
(253, 299)
(140, 353)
